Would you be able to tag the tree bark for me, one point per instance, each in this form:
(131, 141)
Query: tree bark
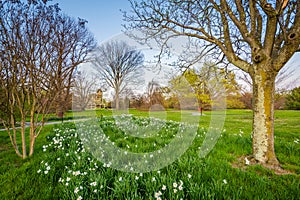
(263, 117)
(117, 98)
(23, 137)
(32, 132)
(31, 145)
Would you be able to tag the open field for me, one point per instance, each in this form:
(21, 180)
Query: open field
(65, 167)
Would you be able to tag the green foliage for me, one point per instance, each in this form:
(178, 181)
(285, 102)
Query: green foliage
(233, 101)
(207, 83)
(293, 99)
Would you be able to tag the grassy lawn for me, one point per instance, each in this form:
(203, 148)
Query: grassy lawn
(65, 164)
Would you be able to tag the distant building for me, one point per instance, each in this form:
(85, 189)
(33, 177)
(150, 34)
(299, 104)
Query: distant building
(97, 100)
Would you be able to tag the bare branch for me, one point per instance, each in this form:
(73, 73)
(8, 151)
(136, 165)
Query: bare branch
(118, 64)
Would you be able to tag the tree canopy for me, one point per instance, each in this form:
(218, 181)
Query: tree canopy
(293, 99)
(257, 36)
(118, 65)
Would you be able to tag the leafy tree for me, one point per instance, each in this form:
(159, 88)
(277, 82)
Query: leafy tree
(31, 56)
(293, 99)
(180, 86)
(258, 37)
(118, 65)
(203, 84)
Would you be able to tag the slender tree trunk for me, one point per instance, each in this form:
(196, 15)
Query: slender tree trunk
(32, 133)
(31, 147)
(263, 118)
(117, 98)
(24, 153)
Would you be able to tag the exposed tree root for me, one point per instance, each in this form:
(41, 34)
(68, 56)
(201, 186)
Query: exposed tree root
(244, 161)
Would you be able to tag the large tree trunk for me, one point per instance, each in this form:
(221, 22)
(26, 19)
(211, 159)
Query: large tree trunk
(263, 118)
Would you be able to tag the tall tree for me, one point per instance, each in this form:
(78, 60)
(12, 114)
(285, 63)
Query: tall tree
(118, 64)
(155, 94)
(257, 36)
(71, 44)
(29, 59)
(83, 90)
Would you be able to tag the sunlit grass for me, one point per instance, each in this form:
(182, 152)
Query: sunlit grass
(64, 168)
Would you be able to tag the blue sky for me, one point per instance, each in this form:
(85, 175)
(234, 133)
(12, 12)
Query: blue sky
(105, 22)
(104, 16)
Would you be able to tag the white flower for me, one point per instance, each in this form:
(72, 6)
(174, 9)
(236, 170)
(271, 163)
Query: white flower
(79, 198)
(153, 179)
(39, 171)
(95, 190)
(157, 194)
(189, 176)
(181, 183)
(46, 172)
(68, 179)
(93, 183)
(175, 185)
(247, 162)
(175, 190)
(120, 179)
(76, 190)
(136, 178)
(164, 187)
(76, 173)
(180, 187)
(224, 181)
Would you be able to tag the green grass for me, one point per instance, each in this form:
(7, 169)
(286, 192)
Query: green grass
(74, 171)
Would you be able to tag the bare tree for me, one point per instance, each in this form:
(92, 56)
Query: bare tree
(29, 59)
(257, 36)
(71, 44)
(118, 65)
(155, 95)
(83, 89)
